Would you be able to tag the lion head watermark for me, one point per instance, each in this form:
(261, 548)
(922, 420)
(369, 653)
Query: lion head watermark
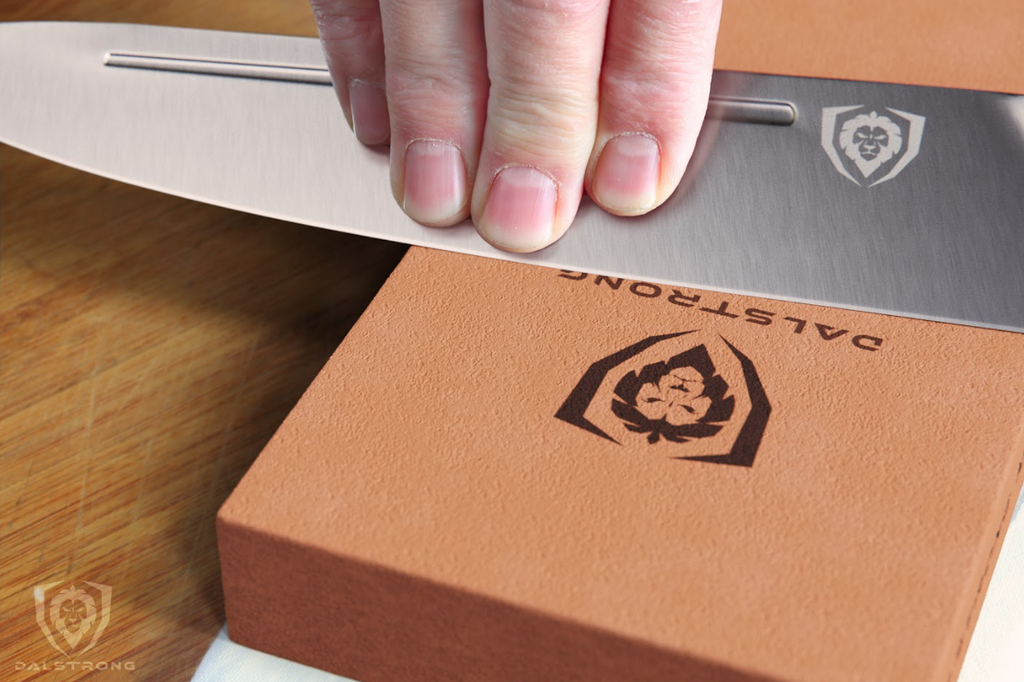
(870, 140)
(72, 615)
(868, 147)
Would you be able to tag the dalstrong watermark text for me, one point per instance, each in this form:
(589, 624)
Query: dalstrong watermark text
(75, 665)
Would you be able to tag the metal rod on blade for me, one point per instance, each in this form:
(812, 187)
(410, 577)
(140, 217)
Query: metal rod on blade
(723, 108)
(752, 111)
(210, 67)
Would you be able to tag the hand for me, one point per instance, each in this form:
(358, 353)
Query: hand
(506, 109)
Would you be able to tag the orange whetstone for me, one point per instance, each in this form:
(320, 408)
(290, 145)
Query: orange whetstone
(514, 473)
(458, 496)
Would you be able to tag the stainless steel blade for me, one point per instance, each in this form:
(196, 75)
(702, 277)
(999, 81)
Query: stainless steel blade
(794, 212)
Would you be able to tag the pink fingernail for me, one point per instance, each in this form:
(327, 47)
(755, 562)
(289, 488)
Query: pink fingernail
(435, 181)
(520, 210)
(626, 179)
(369, 107)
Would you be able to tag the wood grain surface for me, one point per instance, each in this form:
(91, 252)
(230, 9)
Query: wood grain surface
(149, 347)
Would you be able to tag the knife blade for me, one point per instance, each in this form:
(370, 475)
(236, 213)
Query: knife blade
(886, 198)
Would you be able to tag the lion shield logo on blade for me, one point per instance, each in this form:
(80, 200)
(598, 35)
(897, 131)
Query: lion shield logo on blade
(72, 615)
(869, 146)
(687, 395)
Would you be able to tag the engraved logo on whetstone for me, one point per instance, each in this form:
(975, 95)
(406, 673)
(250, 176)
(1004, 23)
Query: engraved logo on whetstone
(692, 395)
(868, 147)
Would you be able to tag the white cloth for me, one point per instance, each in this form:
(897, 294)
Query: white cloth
(226, 661)
(996, 652)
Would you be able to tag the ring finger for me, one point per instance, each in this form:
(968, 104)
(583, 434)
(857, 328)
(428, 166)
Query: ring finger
(437, 94)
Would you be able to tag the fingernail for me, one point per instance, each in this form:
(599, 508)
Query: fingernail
(435, 181)
(520, 210)
(369, 106)
(626, 179)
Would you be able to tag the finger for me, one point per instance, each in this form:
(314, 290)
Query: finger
(655, 82)
(544, 61)
(437, 94)
(350, 32)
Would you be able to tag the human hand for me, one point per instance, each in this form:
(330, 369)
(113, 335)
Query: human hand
(505, 110)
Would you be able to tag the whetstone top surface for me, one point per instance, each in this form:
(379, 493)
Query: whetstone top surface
(834, 514)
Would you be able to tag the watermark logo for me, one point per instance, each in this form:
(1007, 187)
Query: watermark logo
(72, 615)
(868, 147)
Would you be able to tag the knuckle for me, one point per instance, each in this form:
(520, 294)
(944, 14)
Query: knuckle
(438, 63)
(436, 84)
(414, 95)
(344, 26)
(548, 75)
(558, 11)
(678, 14)
(672, 35)
(647, 88)
(669, 43)
(559, 127)
(660, 69)
(665, 109)
(417, 85)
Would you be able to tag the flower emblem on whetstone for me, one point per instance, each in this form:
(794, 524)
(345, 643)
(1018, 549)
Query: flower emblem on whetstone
(695, 395)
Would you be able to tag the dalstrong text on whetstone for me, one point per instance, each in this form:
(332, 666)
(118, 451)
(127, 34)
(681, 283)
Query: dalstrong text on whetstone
(758, 316)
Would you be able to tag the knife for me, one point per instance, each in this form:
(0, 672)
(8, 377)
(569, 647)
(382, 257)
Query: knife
(887, 198)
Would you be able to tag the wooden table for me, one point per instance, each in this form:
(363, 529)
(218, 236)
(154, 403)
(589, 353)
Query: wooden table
(149, 347)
